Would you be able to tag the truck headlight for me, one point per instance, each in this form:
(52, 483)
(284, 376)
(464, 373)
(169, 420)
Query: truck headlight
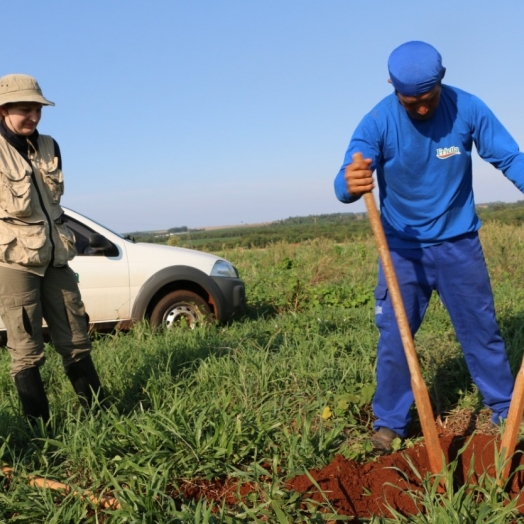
(222, 268)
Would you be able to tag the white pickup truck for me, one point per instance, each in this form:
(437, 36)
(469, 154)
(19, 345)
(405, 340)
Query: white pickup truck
(122, 281)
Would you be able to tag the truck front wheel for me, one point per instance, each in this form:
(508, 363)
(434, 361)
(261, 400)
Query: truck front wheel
(179, 307)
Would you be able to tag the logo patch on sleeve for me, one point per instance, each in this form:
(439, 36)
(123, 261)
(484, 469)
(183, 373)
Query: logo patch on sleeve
(446, 152)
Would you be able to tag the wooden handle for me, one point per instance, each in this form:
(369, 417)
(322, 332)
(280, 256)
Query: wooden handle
(420, 391)
(40, 482)
(511, 432)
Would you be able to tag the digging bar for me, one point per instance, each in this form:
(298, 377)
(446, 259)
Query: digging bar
(420, 391)
(509, 438)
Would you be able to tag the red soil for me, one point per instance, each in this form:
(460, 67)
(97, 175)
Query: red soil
(364, 490)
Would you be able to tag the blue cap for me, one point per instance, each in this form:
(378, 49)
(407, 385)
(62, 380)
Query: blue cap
(415, 68)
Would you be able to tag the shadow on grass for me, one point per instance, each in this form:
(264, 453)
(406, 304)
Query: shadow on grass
(173, 360)
(258, 311)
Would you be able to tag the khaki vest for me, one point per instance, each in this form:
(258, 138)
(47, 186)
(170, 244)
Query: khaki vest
(31, 230)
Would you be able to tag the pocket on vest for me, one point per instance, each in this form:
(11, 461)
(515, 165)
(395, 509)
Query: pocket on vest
(54, 181)
(65, 248)
(16, 193)
(24, 245)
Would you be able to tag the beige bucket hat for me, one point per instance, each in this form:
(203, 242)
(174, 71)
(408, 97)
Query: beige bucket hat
(21, 88)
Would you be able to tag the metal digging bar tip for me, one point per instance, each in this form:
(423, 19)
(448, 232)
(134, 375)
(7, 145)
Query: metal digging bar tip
(420, 391)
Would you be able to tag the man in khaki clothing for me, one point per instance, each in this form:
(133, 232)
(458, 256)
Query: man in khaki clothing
(36, 282)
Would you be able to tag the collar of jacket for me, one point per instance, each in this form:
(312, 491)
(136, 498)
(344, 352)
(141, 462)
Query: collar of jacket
(19, 142)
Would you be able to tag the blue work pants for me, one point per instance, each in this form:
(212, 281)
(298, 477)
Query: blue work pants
(456, 270)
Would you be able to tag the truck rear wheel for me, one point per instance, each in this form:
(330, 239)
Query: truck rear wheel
(179, 307)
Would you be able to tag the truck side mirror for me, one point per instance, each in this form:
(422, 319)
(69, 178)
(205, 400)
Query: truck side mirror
(101, 244)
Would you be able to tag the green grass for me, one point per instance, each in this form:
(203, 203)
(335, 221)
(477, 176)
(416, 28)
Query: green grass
(247, 400)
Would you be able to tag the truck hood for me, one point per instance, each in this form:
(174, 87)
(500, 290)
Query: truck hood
(162, 256)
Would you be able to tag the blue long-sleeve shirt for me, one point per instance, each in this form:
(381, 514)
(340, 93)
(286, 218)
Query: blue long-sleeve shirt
(424, 168)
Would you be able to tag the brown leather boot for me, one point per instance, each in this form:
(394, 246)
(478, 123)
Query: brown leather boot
(382, 441)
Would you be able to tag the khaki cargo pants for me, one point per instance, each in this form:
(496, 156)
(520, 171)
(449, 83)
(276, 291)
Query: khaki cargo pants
(26, 299)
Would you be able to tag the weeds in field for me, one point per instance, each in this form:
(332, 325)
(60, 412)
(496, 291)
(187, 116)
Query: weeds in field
(479, 499)
(268, 397)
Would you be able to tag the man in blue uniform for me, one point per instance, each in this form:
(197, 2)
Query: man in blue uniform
(419, 141)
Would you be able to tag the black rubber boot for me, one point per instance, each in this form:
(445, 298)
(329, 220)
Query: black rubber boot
(32, 394)
(85, 381)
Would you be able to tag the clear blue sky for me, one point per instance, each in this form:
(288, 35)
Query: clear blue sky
(219, 112)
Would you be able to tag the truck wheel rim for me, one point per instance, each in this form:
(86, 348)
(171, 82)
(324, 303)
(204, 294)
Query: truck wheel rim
(174, 316)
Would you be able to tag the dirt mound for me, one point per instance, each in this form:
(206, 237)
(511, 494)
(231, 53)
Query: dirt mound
(364, 490)
(369, 489)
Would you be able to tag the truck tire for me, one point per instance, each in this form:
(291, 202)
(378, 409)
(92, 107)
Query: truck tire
(178, 306)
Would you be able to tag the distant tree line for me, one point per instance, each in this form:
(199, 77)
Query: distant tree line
(502, 212)
(340, 227)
